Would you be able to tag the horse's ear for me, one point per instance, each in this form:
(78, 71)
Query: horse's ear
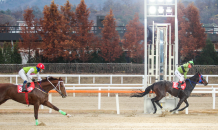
(60, 78)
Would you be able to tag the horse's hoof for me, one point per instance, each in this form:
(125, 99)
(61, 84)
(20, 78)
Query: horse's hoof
(68, 115)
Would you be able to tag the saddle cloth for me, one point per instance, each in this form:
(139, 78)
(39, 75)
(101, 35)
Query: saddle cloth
(175, 85)
(29, 89)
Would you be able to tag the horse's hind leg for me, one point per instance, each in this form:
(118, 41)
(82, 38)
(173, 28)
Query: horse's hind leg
(186, 102)
(48, 104)
(156, 100)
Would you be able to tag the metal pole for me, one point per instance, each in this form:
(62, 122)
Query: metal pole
(145, 43)
(176, 37)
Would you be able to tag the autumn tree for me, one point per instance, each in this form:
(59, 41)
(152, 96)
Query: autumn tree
(191, 34)
(110, 48)
(134, 36)
(68, 41)
(84, 37)
(52, 36)
(28, 34)
(195, 27)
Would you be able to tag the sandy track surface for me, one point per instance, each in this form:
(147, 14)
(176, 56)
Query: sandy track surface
(86, 116)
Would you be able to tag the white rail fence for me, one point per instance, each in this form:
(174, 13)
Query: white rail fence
(107, 86)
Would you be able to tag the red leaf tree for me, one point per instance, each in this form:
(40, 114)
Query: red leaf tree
(28, 34)
(134, 36)
(191, 34)
(52, 33)
(110, 48)
(83, 36)
(68, 42)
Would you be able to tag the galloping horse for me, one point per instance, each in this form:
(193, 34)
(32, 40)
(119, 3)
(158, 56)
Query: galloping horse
(37, 96)
(160, 88)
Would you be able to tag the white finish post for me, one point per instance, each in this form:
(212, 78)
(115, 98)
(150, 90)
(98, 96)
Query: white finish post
(50, 100)
(165, 53)
(99, 99)
(121, 79)
(157, 55)
(145, 43)
(176, 37)
(117, 103)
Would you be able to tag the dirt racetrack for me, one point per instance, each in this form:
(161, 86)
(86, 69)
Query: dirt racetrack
(86, 116)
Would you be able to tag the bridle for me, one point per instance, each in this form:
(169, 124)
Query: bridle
(57, 86)
(200, 80)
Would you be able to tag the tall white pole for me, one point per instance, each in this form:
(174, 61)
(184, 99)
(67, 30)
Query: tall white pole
(145, 43)
(176, 37)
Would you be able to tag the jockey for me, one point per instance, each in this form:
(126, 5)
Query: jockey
(183, 69)
(26, 72)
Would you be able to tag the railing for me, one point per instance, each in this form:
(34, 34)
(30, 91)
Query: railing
(36, 29)
(108, 87)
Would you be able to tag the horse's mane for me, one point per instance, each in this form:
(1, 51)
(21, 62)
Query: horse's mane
(196, 75)
(50, 78)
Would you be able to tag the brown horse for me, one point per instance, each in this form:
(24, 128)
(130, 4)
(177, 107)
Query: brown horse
(37, 96)
(162, 87)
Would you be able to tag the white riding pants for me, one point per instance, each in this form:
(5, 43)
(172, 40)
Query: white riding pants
(23, 76)
(179, 75)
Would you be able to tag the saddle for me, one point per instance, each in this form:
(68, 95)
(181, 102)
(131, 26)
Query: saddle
(175, 85)
(29, 88)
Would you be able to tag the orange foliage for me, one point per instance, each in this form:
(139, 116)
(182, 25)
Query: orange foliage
(28, 34)
(110, 48)
(134, 36)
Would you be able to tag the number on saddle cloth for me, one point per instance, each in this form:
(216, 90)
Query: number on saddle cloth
(29, 88)
(175, 85)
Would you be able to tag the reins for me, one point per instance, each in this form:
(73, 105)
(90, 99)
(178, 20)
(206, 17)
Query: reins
(55, 87)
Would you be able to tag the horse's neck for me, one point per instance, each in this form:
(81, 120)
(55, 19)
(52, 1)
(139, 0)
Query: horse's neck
(47, 86)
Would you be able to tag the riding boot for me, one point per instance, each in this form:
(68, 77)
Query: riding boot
(24, 88)
(179, 85)
(179, 88)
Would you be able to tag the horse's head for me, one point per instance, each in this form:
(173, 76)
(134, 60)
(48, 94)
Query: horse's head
(201, 79)
(58, 85)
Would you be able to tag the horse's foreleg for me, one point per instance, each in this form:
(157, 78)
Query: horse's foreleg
(178, 105)
(48, 104)
(185, 106)
(36, 109)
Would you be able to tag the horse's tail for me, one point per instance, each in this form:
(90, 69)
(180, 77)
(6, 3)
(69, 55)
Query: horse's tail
(141, 94)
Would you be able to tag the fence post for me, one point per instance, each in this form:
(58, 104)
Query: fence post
(50, 100)
(16, 79)
(186, 110)
(99, 99)
(214, 97)
(117, 103)
(74, 89)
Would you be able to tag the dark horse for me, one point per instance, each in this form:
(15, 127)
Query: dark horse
(162, 87)
(37, 96)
